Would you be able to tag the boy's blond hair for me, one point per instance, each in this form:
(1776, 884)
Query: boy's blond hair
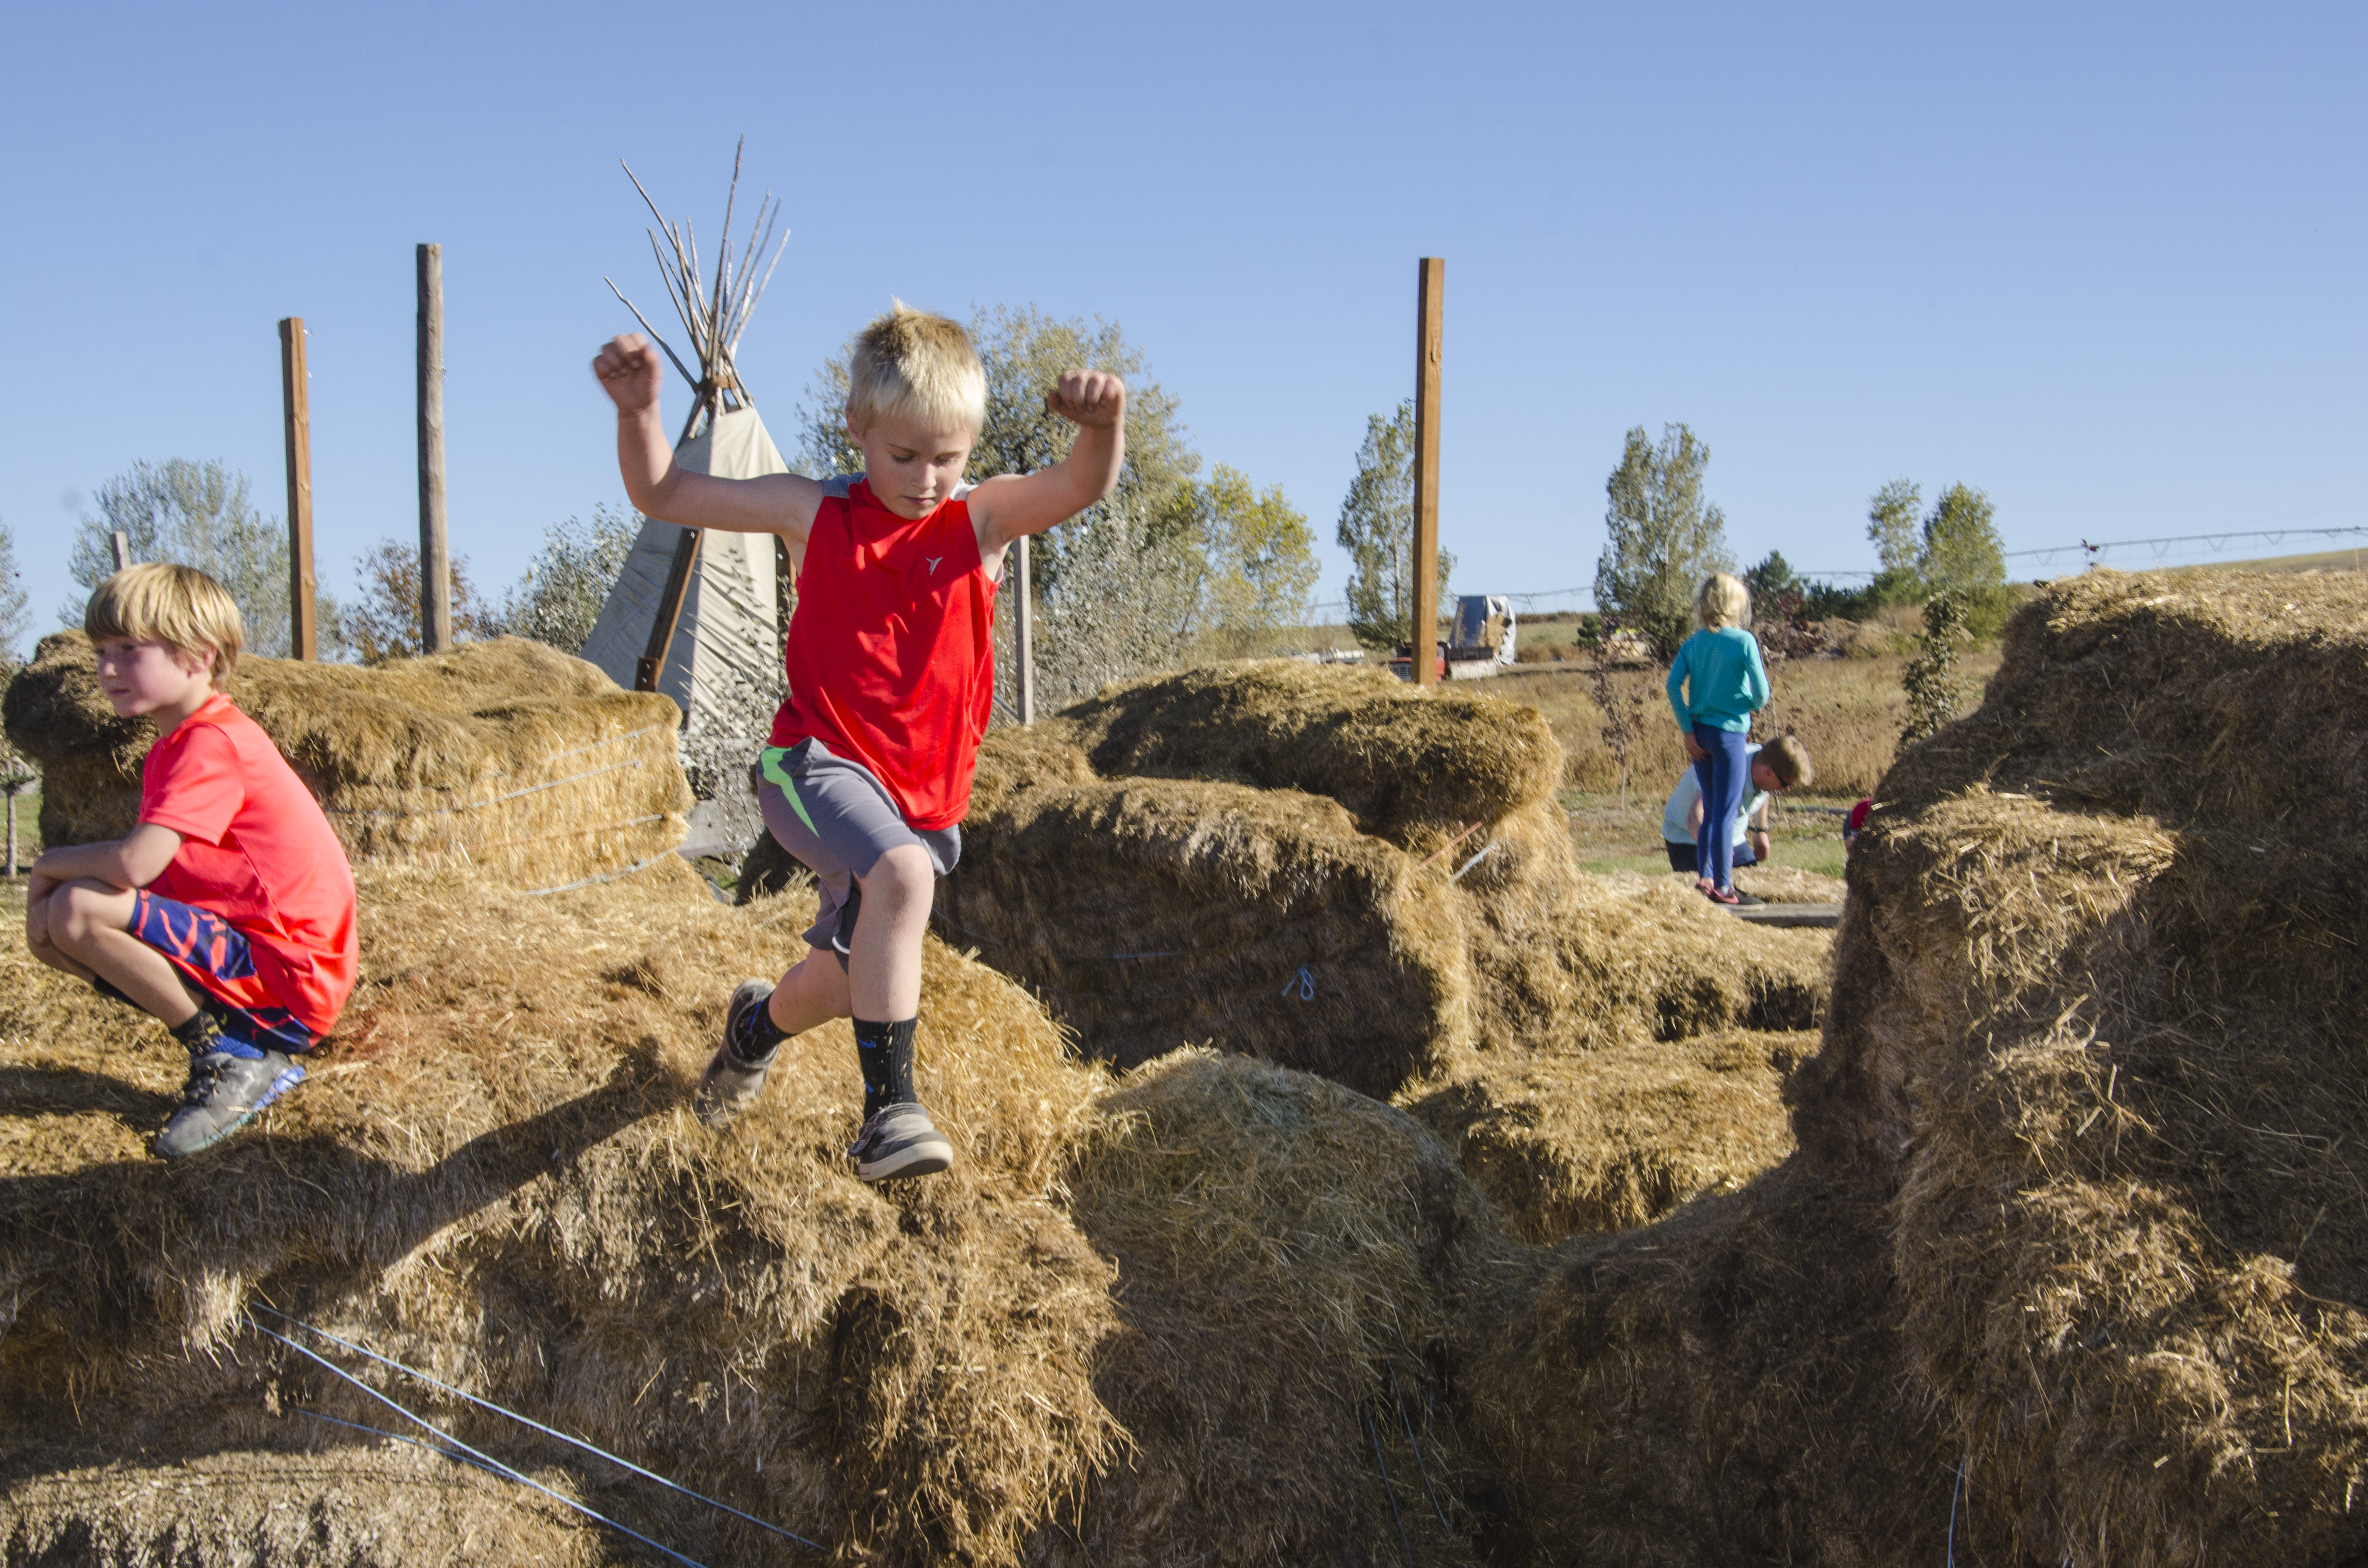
(1789, 760)
(1723, 601)
(177, 606)
(911, 364)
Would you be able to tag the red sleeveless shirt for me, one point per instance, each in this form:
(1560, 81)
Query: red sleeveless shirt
(891, 651)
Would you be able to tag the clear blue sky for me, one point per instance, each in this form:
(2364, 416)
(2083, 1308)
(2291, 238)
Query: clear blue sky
(2104, 262)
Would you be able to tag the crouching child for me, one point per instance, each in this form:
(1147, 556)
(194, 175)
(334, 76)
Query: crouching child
(228, 912)
(891, 666)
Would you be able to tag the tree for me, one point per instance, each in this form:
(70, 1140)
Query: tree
(15, 608)
(1891, 526)
(383, 623)
(1962, 548)
(196, 514)
(568, 580)
(1376, 528)
(1260, 559)
(1124, 605)
(1664, 537)
(1931, 678)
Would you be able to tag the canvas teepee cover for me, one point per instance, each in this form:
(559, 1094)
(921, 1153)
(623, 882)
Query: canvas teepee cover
(727, 636)
(719, 587)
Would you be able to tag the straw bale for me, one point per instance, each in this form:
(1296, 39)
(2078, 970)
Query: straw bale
(1721, 1387)
(1303, 898)
(370, 1505)
(1619, 1135)
(1399, 759)
(1290, 1256)
(507, 757)
(2097, 1022)
(494, 1175)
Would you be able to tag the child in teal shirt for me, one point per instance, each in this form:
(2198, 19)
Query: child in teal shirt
(1716, 683)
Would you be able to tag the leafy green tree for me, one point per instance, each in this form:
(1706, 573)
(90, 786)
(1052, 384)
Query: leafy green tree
(1664, 537)
(15, 608)
(1891, 526)
(1376, 528)
(196, 514)
(1930, 681)
(382, 624)
(1261, 565)
(1962, 548)
(568, 580)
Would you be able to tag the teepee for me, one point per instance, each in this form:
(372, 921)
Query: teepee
(694, 614)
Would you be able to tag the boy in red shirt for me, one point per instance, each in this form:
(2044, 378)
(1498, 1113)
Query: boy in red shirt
(891, 664)
(228, 912)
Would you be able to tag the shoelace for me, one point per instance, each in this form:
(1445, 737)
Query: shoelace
(200, 1087)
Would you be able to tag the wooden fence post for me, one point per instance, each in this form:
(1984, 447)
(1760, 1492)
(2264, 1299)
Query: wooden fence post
(120, 543)
(1429, 298)
(435, 559)
(303, 621)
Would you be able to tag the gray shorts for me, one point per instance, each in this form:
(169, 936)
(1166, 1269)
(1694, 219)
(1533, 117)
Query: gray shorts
(847, 821)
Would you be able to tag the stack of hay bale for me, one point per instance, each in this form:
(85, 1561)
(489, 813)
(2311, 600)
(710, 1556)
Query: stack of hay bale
(507, 756)
(1326, 869)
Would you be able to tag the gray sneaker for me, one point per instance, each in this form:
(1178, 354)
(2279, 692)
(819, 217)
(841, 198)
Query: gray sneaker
(223, 1094)
(730, 1085)
(900, 1139)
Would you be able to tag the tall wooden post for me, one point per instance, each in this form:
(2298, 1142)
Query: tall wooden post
(1023, 639)
(1430, 297)
(303, 621)
(120, 543)
(435, 556)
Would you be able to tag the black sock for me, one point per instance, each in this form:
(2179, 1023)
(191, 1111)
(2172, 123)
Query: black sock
(886, 1053)
(758, 1037)
(198, 1033)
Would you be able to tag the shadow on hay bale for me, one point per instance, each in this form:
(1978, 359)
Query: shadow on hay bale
(2096, 1021)
(507, 756)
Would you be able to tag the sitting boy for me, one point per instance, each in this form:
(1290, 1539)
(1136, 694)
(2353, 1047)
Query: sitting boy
(1778, 765)
(228, 912)
(891, 664)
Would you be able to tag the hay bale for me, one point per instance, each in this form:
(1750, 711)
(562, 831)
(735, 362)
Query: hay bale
(1720, 1387)
(507, 756)
(1619, 1135)
(494, 1175)
(1378, 888)
(2095, 1021)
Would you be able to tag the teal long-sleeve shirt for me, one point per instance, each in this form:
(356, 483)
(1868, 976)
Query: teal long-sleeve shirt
(1717, 679)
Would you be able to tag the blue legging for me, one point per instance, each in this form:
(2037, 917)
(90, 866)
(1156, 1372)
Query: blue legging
(1722, 781)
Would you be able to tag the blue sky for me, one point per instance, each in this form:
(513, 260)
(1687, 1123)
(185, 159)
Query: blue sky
(2103, 261)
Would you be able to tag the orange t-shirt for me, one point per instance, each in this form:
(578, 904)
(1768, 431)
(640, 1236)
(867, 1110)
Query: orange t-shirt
(256, 851)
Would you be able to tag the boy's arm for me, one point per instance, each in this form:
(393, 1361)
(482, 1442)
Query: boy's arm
(1011, 505)
(628, 371)
(132, 862)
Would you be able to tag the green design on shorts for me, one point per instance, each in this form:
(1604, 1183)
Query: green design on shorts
(768, 764)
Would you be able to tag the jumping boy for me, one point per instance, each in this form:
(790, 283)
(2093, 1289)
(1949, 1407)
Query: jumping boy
(228, 913)
(891, 666)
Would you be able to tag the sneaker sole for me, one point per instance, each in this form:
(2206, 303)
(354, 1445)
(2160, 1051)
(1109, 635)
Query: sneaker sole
(923, 1156)
(280, 1086)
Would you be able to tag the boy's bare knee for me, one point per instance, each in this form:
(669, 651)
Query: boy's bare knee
(902, 877)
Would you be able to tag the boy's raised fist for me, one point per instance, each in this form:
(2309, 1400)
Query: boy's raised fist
(1092, 398)
(629, 370)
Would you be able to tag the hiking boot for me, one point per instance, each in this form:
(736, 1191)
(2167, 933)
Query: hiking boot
(223, 1094)
(730, 1085)
(900, 1139)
